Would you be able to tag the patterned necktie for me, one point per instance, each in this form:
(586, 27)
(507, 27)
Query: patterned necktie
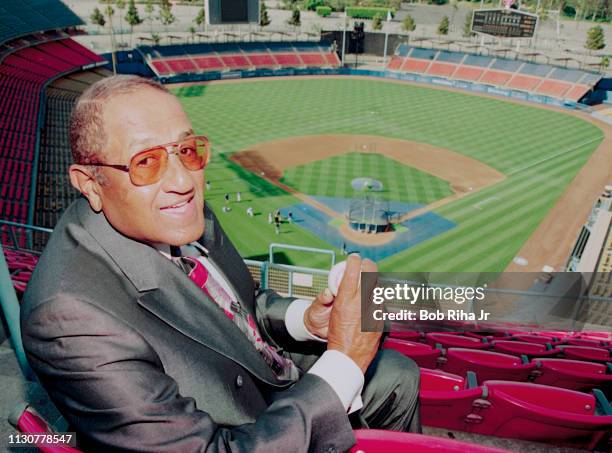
(282, 367)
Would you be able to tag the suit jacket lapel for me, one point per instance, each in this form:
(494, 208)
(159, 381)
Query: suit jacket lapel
(170, 295)
(228, 261)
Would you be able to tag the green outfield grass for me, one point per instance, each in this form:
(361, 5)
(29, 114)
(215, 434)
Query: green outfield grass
(332, 178)
(540, 151)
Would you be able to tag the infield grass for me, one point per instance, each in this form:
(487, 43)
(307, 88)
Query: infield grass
(540, 151)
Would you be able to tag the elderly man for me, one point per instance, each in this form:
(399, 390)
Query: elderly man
(139, 358)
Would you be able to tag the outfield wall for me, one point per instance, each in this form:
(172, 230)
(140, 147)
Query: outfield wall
(462, 85)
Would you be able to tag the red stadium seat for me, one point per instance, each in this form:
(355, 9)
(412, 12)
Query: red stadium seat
(446, 402)
(519, 348)
(395, 63)
(523, 82)
(486, 364)
(586, 353)
(26, 420)
(553, 88)
(497, 78)
(411, 335)
(541, 413)
(470, 73)
(572, 374)
(424, 355)
(441, 69)
(587, 342)
(415, 65)
(378, 441)
(449, 340)
(538, 339)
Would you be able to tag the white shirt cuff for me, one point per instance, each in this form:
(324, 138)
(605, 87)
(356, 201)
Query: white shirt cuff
(343, 375)
(294, 321)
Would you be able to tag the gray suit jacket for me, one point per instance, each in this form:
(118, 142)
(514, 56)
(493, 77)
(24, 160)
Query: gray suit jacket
(137, 359)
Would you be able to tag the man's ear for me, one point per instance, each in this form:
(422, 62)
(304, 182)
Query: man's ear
(83, 179)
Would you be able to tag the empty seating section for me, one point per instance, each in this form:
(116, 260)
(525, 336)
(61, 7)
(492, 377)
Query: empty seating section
(506, 384)
(54, 191)
(450, 57)
(20, 265)
(553, 88)
(567, 75)
(176, 59)
(208, 63)
(234, 61)
(523, 82)
(414, 65)
(468, 73)
(480, 61)
(395, 63)
(313, 59)
(180, 65)
(287, 59)
(441, 69)
(537, 70)
(497, 78)
(262, 60)
(22, 75)
(506, 65)
(22, 17)
(570, 84)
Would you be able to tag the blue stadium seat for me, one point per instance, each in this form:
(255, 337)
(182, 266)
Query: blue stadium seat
(478, 60)
(506, 65)
(451, 57)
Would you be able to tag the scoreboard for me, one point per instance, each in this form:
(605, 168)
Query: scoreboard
(232, 12)
(504, 23)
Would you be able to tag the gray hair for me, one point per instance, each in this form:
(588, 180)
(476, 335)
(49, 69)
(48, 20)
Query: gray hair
(88, 136)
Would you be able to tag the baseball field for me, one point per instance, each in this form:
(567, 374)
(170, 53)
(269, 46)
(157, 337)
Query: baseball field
(470, 177)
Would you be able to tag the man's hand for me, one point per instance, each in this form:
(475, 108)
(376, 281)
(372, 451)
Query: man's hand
(316, 317)
(345, 333)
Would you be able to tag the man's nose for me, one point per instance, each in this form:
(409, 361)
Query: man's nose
(176, 178)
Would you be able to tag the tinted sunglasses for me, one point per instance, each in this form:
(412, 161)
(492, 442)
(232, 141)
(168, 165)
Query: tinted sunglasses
(148, 166)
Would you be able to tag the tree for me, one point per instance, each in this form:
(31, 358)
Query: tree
(133, 19)
(156, 38)
(165, 14)
(377, 22)
(200, 19)
(467, 26)
(605, 63)
(264, 19)
(149, 9)
(97, 18)
(595, 38)
(443, 26)
(192, 30)
(295, 19)
(408, 23)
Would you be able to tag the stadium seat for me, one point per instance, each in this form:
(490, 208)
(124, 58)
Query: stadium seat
(497, 78)
(586, 353)
(415, 65)
(441, 69)
(448, 340)
(572, 374)
(538, 339)
(486, 364)
(541, 413)
(520, 348)
(378, 441)
(424, 355)
(411, 335)
(446, 400)
(26, 420)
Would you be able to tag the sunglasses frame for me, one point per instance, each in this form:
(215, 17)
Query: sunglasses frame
(175, 150)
